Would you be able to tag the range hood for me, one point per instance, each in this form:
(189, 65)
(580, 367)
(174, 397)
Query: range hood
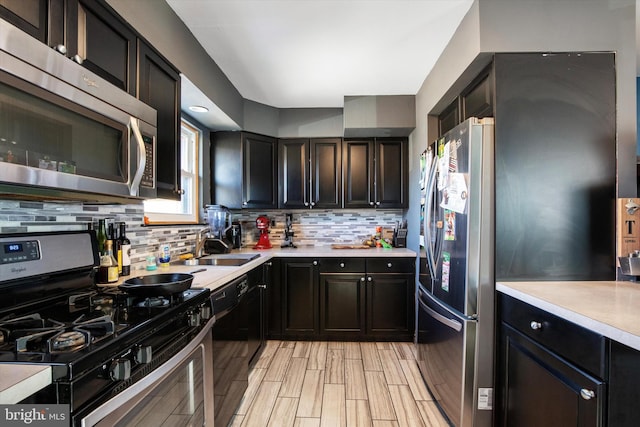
(379, 116)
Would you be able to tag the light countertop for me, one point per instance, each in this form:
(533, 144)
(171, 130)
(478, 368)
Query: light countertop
(609, 308)
(18, 382)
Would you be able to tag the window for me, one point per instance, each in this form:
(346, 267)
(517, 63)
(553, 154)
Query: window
(186, 209)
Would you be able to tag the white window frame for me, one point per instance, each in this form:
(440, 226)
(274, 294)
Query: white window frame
(186, 210)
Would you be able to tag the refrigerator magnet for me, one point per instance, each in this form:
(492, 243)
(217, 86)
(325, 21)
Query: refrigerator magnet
(449, 225)
(446, 266)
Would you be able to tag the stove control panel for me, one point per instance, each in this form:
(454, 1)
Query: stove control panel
(19, 251)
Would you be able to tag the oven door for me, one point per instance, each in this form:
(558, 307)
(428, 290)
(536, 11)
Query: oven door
(180, 392)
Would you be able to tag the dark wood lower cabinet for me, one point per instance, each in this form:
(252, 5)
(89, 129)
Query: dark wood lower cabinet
(551, 372)
(390, 303)
(342, 305)
(299, 281)
(338, 299)
(542, 389)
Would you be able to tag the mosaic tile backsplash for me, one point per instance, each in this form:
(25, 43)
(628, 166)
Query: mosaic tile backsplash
(311, 227)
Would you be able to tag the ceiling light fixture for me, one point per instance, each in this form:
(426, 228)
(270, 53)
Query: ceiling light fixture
(198, 109)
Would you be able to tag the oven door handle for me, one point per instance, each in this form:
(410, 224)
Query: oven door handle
(141, 157)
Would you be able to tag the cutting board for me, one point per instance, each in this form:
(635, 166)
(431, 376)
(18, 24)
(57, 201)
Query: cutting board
(340, 246)
(627, 226)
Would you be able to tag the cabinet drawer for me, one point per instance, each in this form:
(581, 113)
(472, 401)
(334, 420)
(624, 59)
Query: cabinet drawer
(581, 346)
(391, 265)
(342, 265)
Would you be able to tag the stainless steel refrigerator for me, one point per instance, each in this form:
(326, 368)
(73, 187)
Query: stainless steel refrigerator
(455, 296)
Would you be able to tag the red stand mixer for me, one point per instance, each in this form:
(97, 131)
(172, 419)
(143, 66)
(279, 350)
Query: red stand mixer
(262, 224)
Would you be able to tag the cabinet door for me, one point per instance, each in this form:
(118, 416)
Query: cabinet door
(259, 172)
(538, 388)
(449, 118)
(160, 88)
(299, 297)
(390, 305)
(326, 173)
(624, 377)
(28, 15)
(107, 45)
(477, 100)
(53, 22)
(342, 305)
(357, 158)
(293, 173)
(391, 180)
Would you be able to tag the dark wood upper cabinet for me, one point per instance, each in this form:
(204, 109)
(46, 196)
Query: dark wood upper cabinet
(449, 118)
(293, 173)
(53, 22)
(259, 187)
(358, 172)
(391, 178)
(326, 173)
(31, 16)
(375, 173)
(160, 88)
(107, 45)
(477, 99)
(310, 173)
(244, 170)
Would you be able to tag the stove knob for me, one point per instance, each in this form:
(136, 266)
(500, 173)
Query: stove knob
(120, 369)
(205, 311)
(144, 354)
(193, 319)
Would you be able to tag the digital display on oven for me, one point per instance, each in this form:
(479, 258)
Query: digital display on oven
(12, 252)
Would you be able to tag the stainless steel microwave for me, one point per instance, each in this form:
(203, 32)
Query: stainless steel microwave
(66, 132)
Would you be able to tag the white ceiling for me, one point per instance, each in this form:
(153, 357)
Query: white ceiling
(312, 53)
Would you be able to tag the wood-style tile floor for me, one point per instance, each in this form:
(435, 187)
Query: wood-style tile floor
(350, 384)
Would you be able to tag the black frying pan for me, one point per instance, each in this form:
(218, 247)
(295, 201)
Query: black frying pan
(158, 284)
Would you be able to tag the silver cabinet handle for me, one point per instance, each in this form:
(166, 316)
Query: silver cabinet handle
(389, 265)
(377, 203)
(587, 394)
(370, 203)
(369, 279)
(535, 325)
(315, 262)
(362, 279)
(262, 286)
(306, 203)
(342, 265)
(245, 203)
(77, 59)
(60, 48)
(313, 204)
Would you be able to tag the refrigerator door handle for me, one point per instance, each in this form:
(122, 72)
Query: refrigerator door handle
(451, 323)
(428, 244)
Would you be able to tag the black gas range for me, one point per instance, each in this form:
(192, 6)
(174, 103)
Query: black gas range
(97, 341)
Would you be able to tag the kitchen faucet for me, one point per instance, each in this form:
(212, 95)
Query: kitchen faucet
(199, 247)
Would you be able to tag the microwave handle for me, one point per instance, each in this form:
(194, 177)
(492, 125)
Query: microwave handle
(142, 157)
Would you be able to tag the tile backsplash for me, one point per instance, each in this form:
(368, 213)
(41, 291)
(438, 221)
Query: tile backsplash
(311, 227)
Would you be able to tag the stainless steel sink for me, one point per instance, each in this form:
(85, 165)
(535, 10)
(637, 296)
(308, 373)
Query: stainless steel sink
(225, 261)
